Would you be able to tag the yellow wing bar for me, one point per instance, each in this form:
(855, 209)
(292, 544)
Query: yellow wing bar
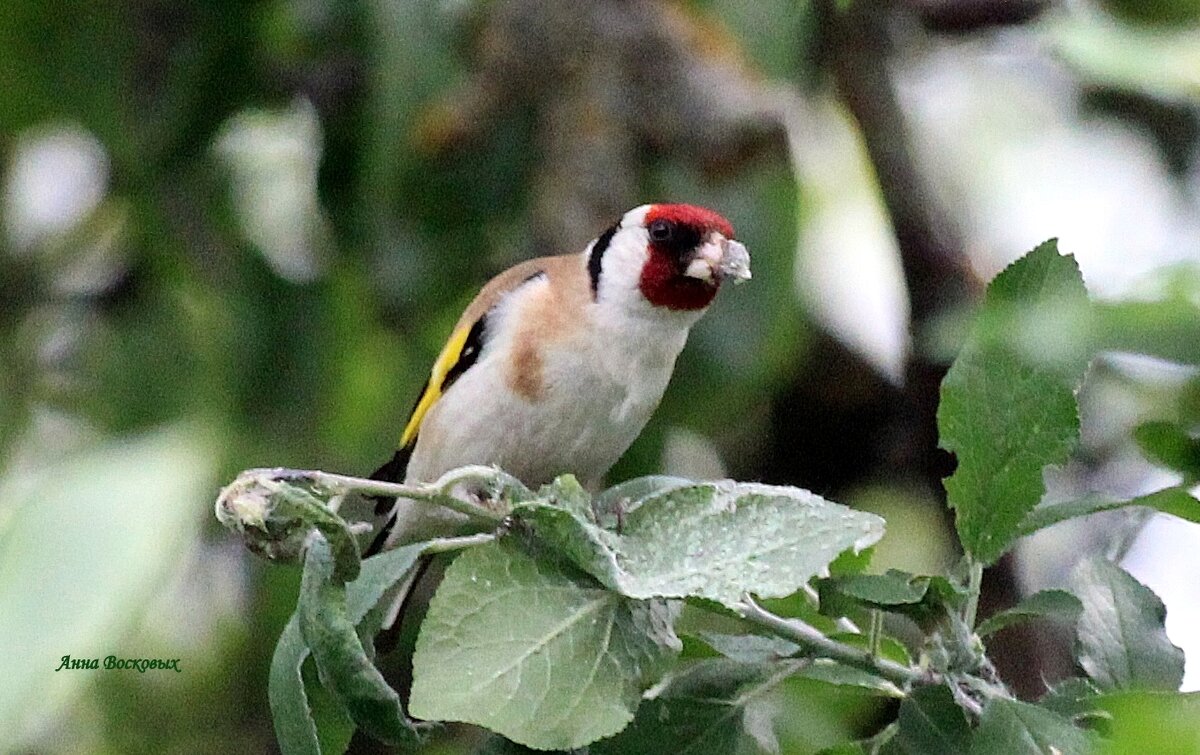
(451, 353)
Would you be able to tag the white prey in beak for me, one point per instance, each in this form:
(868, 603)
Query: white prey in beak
(720, 258)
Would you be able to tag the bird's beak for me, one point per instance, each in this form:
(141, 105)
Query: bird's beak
(720, 258)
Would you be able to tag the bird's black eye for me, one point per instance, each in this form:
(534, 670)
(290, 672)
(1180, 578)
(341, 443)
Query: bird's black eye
(661, 230)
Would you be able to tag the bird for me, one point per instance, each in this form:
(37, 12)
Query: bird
(558, 363)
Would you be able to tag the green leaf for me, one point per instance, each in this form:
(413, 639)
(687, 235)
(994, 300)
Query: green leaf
(1171, 446)
(344, 667)
(378, 575)
(845, 748)
(884, 742)
(1167, 327)
(851, 562)
(832, 672)
(290, 706)
(920, 598)
(294, 727)
(716, 541)
(1122, 642)
(565, 492)
(1052, 604)
(932, 723)
(610, 506)
(1011, 727)
(629, 494)
(750, 648)
(1003, 417)
(536, 651)
(1075, 698)
(335, 728)
(893, 588)
(701, 711)
(1176, 501)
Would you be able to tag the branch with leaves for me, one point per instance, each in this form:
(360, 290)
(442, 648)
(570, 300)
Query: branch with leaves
(558, 624)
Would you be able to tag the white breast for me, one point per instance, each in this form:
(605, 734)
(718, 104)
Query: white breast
(600, 384)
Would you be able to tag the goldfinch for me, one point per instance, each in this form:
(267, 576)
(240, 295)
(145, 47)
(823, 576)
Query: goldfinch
(558, 363)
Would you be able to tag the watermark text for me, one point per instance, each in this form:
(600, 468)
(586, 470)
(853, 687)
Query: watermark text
(112, 662)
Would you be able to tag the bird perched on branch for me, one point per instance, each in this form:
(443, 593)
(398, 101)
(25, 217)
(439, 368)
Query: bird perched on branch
(558, 363)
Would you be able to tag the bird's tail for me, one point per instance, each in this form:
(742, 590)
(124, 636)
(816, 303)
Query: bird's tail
(392, 471)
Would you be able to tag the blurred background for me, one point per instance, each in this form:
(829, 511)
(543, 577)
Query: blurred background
(235, 233)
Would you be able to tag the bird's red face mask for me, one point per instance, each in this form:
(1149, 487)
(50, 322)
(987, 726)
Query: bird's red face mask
(691, 251)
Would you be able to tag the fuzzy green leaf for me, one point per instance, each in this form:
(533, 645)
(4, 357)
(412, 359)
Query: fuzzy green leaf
(1166, 328)
(294, 727)
(1053, 604)
(535, 651)
(932, 723)
(335, 728)
(1122, 642)
(750, 648)
(627, 496)
(884, 742)
(700, 711)
(291, 709)
(919, 598)
(1170, 445)
(378, 575)
(1011, 727)
(840, 675)
(893, 588)
(1075, 698)
(344, 667)
(1004, 417)
(1176, 501)
(715, 541)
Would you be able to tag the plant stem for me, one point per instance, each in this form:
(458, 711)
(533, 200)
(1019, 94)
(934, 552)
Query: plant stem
(974, 585)
(875, 633)
(437, 493)
(810, 638)
(447, 544)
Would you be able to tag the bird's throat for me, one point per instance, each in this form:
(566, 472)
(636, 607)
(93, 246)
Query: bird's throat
(663, 286)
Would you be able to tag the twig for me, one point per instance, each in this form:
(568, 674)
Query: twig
(438, 493)
(974, 587)
(875, 633)
(448, 544)
(810, 638)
